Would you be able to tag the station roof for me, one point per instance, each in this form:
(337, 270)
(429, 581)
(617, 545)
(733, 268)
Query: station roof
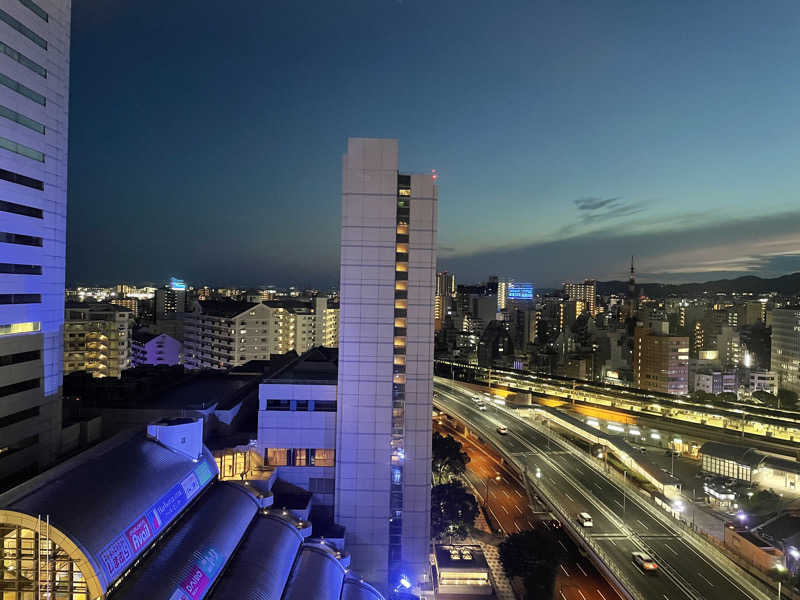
(743, 455)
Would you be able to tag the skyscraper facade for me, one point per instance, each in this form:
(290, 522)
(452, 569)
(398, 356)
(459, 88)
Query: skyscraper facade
(661, 362)
(388, 270)
(585, 292)
(34, 81)
(786, 348)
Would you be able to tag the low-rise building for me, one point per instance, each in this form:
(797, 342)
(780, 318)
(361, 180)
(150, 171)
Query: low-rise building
(155, 349)
(764, 381)
(97, 339)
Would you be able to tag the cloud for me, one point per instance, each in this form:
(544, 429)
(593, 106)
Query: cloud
(595, 203)
(666, 250)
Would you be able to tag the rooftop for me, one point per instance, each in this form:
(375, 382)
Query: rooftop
(317, 365)
(225, 308)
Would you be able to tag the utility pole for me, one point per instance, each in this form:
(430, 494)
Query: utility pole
(624, 495)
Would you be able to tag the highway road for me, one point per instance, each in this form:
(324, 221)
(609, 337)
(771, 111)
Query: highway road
(620, 524)
(576, 576)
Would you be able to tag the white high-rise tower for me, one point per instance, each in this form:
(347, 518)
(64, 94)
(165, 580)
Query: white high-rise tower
(34, 92)
(388, 271)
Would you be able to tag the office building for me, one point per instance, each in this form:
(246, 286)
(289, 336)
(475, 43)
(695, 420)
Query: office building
(34, 92)
(716, 382)
(661, 362)
(155, 349)
(763, 381)
(147, 516)
(97, 339)
(170, 300)
(585, 292)
(445, 284)
(786, 348)
(388, 262)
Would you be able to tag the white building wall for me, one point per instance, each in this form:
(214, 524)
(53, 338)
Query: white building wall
(51, 227)
(366, 328)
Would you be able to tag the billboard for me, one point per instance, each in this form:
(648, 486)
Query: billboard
(520, 291)
(117, 555)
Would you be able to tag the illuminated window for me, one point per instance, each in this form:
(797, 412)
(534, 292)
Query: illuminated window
(401, 285)
(399, 342)
(399, 359)
(322, 457)
(14, 328)
(402, 192)
(401, 267)
(402, 228)
(276, 457)
(402, 248)
(399, 303)
(399, 378)
(400, 322)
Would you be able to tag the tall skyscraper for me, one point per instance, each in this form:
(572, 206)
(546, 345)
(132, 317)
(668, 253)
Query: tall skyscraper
(34, 78)
(388, 270)
(786, 348)
(445, 292)
(585, 292)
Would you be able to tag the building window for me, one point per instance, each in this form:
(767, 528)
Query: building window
(22, 386)
(22, 59)
(276, 457)
(20, 179)
(322, 457)
(38, 10)
(26, 31)
(20, 298)
(20, 209)
(20, 269)
(22, 89)
(16, 148)
(19, 357)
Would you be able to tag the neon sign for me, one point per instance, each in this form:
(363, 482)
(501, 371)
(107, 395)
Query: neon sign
(520, 291)
(139, 534)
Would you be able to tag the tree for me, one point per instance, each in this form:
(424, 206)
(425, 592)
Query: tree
(449, 460)
(768, 399)
(453, 510)
(702, 397)
(531, 555)
(787, 398)
(727, 397)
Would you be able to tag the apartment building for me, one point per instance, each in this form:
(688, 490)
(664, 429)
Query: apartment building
(97, 339)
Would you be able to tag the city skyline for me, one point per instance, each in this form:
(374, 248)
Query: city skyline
(559, 138)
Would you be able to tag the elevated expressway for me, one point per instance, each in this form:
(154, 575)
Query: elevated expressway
(624, 521)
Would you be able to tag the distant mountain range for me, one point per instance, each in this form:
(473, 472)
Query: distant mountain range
(785, 284)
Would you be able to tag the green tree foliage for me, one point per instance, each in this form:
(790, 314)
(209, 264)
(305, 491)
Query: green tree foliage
(453, 510)
(787, 398)
(532, 555)
(449, 460)
(768, 399)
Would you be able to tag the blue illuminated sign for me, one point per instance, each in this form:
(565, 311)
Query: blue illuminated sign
(117, 555)
(177, 284)
(520, 291)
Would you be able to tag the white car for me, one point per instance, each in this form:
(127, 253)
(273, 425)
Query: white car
(476, 399)
(502, 429)
(585, 519)
(644, 561)
(482, 406)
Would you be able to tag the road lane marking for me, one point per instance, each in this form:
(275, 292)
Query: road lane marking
(517, 526)
(640, 523)
(704, 579)
(581, 593)
(581, 569)
(600, 594)
(619, 503)
(570, 497)
(671, 549)
(563, 546)
(517, 492)
(519, 510)
(529, 523)
(563, 569)
(505, 510)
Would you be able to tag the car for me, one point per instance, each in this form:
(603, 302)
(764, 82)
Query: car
(502, 429)
(551, 523)
(644, 561)
(643, 450)
(476, 399)
(585, 519)
(482, 406)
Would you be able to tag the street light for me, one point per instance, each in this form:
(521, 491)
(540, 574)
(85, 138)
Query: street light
(488, 479)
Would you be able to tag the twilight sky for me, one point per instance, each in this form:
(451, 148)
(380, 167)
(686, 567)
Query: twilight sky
(206, 138)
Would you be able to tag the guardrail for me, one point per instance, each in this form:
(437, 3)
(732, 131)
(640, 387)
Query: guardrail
(701, 544)
(604, 562)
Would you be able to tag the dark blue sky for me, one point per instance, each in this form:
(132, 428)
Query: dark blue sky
(206, 138)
